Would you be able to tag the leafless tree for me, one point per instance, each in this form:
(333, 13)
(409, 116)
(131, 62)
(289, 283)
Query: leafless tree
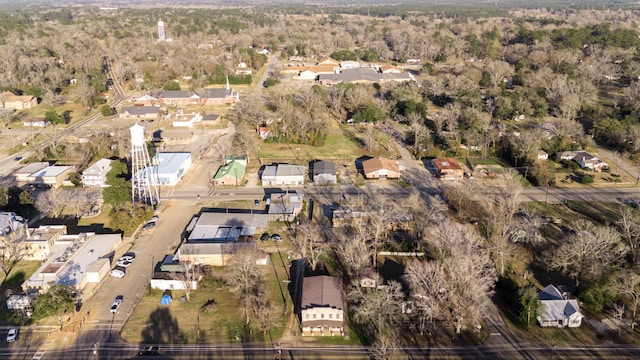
(379, 307)
(310, 242)
(353, 250)
(13, 250)
(618, 159)
(453, 288)
(419, 132)
(53, 202)
(385, 347)
(628, 283)
(499, 217)
(629, 225)
(244, 276)
(589, 252)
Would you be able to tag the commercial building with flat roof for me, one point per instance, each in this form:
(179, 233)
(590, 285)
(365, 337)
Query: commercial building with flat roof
(171, 166)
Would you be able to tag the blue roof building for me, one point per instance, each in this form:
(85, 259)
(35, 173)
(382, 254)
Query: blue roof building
(171, 167)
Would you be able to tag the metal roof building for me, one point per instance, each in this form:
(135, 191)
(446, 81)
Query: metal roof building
(171, 167)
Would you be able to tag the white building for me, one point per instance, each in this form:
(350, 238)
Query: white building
(170, 167)
(96, 174)
(162, 36)
(75, 260)
(283, 174)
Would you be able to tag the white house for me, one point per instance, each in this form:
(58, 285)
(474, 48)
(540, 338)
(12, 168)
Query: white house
(559, 311)
(171, 166)
(96, 174)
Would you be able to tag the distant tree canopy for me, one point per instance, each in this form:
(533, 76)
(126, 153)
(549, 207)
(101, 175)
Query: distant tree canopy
(577, 38)
(344, 55)
(171, 85)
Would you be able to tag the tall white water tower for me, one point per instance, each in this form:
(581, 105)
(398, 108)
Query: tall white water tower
(144, 179)
(161, 34)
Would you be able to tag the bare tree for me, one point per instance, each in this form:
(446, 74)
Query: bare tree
(53, 202)
(453, 288)
(13, 250)
(353, 250)
(499, 217)
(629, 225)
(244, 276)
(589, 252)
(379, 307)
(309, 242)
(628, 283)
(419, 132)
(385, 347)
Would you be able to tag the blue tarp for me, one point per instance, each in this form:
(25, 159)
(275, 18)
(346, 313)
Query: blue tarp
(166, 299)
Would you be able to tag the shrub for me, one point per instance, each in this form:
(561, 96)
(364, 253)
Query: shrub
(107, 110)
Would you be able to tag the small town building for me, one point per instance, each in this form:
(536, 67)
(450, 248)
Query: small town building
(71, 259)
(39, 242)
(22, 174)
(283, 174)
(323, 172)
(230, 173)
(322, 306)
(448, 169)
(96, 174)
(380, 168)
(52, 176)
(284, 206)
(171, 167)
(141, 113)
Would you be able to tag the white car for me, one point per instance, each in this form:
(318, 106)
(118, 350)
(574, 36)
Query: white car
(116, 304)
(12, 334)
(117, 273)
(123, 263)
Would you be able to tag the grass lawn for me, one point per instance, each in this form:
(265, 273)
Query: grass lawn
(337, 146)
(186, 323)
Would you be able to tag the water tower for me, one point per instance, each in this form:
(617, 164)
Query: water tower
(161, 34)
(144, 179)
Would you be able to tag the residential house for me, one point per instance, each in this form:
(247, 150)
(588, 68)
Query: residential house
(349, 64)
(323, 172)
(584, 159)
(230, 173)
(10, 223)
(187, 120)
(22, 174)
(52, 176)
(542, 155)
(96, 174)
(380, 168)
(389, 69)
(284, 206)
(9, 100)
(322, 306)
(213, 238)
(283, 174)
(448, 169)
(328, 61)
(142, 113)
(36, 123)
(559, 310)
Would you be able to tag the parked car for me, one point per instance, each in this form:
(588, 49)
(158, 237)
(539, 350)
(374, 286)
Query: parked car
(117, 273)
(124, 263)
(128, 256)
(256, 202)
(17, 158)
(264, 237)
(12, 335)
(154, 218)
(149, 225)
(116, 304)
(276, 237)
(148, 350)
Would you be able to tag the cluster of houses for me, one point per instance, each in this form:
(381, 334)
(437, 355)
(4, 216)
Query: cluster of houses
(329, 72)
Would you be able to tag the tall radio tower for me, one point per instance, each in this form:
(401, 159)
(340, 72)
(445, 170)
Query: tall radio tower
(144, 180)
(161, 34)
